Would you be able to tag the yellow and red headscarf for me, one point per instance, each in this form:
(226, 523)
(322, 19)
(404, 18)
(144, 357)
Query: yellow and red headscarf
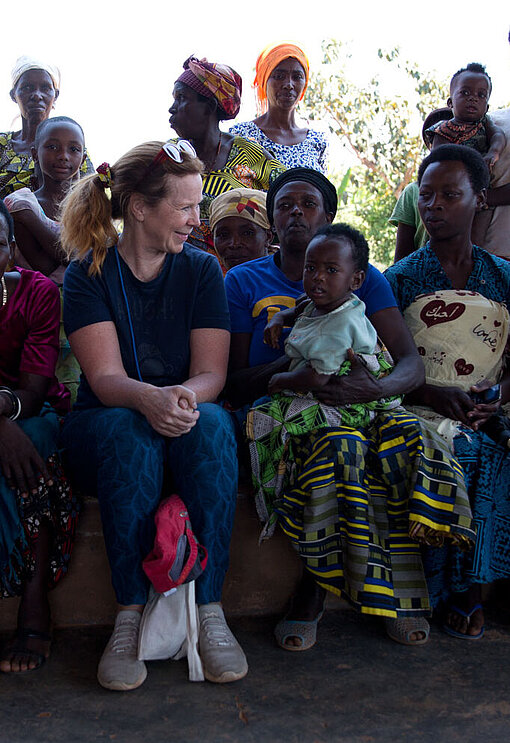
(271, 58)
(246, 203)
(214, 81)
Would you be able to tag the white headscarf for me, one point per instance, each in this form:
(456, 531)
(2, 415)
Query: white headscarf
(31, 63)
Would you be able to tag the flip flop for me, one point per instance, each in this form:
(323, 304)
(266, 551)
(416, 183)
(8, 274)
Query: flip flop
(401, 629)
(462, 635)
(306, 631)
(19, 646)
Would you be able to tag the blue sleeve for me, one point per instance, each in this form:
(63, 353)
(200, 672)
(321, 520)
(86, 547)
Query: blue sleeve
(376, 292)
(238, 303)
(84, 299)
(210, 309)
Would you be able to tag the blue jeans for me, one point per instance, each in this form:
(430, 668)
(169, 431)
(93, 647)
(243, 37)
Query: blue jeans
(115, 454)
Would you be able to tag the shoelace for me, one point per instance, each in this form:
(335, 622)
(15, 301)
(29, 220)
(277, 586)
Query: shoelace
(125, 636)
(216, 630)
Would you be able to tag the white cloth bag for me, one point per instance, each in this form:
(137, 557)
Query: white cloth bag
(169, 628)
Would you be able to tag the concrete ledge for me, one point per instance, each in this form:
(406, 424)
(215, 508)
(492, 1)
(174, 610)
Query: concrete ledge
(260, 579)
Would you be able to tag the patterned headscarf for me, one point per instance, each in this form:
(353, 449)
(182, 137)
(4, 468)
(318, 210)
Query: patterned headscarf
(23, 64)
(246, 203)
(214, 81)
(271, 58)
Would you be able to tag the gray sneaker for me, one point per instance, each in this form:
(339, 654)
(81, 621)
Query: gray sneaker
(119, 667)
(222, 656)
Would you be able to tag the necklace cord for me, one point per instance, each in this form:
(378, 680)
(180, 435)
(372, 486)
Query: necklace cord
(129, 316)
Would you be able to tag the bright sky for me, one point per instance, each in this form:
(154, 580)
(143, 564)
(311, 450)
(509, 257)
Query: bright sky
(119, 59)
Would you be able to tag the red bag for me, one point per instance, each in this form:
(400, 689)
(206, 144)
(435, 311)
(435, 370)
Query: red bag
(177, 556)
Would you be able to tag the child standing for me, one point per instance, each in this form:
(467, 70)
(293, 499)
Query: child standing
(470, 90)
(331, 334)
(59, 152)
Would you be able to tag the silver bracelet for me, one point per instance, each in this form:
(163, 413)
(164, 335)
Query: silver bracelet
(15, 402)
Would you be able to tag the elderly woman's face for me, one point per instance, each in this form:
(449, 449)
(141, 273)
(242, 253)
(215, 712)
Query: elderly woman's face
(447, 201)
(188, 113)
(167, 224)
(35, 95)
(238, 240)
(285, 84)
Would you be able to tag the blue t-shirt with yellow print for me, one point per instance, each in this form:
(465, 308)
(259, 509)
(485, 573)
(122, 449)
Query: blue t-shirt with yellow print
(257, 289)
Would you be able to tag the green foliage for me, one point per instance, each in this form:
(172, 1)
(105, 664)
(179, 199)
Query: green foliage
(342, 187)
(368, 209)
(382, 132)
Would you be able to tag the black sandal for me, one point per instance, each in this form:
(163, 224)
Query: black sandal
(19, 646)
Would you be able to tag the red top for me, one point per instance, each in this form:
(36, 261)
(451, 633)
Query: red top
(29, 335)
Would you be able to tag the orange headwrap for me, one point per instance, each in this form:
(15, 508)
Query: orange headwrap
(271, 58)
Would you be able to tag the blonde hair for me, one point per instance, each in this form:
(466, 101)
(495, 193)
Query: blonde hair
(87, 214)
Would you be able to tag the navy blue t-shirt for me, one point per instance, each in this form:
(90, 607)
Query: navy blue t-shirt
(189, 293)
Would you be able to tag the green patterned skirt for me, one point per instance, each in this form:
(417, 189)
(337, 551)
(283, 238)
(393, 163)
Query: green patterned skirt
(271, 426)
(357, 503)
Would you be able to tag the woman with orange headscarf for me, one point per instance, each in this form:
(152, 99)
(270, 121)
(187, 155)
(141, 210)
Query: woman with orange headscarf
(281, 79)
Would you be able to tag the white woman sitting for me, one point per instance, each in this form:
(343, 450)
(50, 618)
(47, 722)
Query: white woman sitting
(147, 318)
(282, 74)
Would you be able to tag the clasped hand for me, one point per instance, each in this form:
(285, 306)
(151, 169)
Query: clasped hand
(171, 411)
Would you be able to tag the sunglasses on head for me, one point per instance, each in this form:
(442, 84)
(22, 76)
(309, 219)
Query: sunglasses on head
(170, 151)
(173, 151)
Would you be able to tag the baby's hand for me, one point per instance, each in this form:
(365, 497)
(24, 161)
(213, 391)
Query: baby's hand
(491, 158)
(276, 383)
(273, 331)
